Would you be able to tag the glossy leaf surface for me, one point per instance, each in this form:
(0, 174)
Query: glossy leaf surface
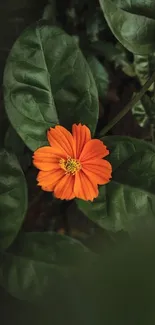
(47, 81)
(129, 199)
(132, 22)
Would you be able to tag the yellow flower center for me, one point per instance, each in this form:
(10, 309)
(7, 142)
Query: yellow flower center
(71, 166)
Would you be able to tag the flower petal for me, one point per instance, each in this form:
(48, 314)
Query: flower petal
(44, 159)
(64, 188)
(61, 139)
(48, 180)
(98, 170)
(81, 135)
(84, 188)
(93, 149)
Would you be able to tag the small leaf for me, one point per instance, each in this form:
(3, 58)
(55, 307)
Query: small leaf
(13, 198)
(144, 67)
(139, 113)
(47, 81)
(132, 22)
(149, 106)
(50, 12)
(100, 75)
(41, 263)
(129, 199)
(144, 111)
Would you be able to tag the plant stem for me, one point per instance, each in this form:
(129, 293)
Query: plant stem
(129, 106)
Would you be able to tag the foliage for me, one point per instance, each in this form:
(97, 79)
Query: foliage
(14, 143)
(144, 67)
(139, 113)
(132, 23)
(60, 71)
(55, 84)
(100, 75)
(129, 198)
(13, 198)
(39, 263)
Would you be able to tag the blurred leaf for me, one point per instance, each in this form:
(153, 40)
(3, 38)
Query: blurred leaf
(119, 289)
(50, 12)
(116, 53)
(144, 111)
(139, 113)
(100, 75)
(149, 106)
(144, 67)
(47, 81)
(95, 23)
(13, 198)
(122, 60)
(41, 263)
(129, 199)
(106, 49)
(132, 22)
(16, 145)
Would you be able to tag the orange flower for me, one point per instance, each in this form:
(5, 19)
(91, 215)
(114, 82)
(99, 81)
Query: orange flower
(72, 166)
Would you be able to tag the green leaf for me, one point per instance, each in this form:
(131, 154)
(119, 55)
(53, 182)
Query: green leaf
(144, 111)
(13, 142)
(50, 12)
(100, 75)
(106, 49)
(114, 53)
(139, 113)
(123, 60)
(41, 263)
(149, 106)
(144, 67)
(13, 198)
(16, 145)
(95, 23)
(132, 22)
(129, 199)
(47, 81)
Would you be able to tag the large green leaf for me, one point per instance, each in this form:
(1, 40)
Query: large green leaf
(13, 198)
(128, 201)
(47, 81)
(132, 22)
(41, 263)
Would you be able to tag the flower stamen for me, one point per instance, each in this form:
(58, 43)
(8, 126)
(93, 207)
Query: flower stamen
(71, 165)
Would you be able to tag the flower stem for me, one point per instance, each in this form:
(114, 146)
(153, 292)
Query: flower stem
(129, 106)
